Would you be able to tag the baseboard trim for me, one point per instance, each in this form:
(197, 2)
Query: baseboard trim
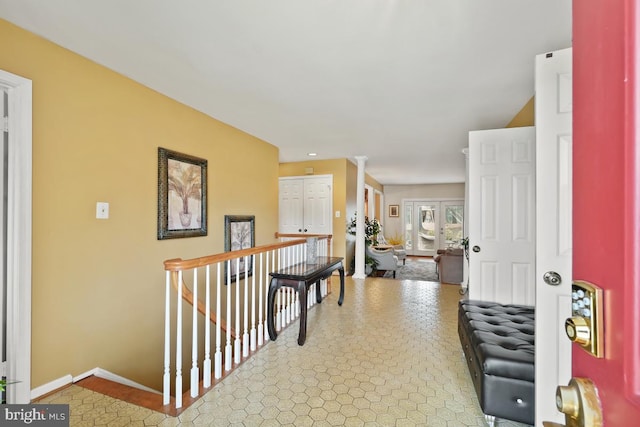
(64, 381)
(104, 374)
(51, 386)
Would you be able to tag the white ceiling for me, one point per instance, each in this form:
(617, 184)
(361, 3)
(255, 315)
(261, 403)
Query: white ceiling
(399, 81)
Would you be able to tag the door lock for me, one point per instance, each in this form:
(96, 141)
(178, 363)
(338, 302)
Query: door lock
(584, 327)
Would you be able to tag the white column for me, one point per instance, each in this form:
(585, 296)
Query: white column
(359, 271)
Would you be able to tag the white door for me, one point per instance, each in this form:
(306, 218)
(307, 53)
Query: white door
(451, 223)
(431, 225)
(553, 112)
(318, 205)
(421, 225)
(502, 215)
(306, 204)
(291, 206)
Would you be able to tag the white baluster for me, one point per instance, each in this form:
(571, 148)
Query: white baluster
(194, 337)
(289, 290)
(179, 344)
(237, 351)
(218, 357)
(287, 317)
(245, 336)
(253, 304)
(260, 318)
(227, 350)
(206, 366)
(166, 378)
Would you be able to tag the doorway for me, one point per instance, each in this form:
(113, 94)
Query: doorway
(430, 225)
(16, 137)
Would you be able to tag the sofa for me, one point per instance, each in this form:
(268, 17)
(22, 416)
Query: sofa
(498, 341)
(449, 265)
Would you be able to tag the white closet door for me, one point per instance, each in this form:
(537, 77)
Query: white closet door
(318, 197)
(306, 205)
(291, 206)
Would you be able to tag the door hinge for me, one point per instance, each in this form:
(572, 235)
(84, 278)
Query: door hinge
(3, 369)
(5, 124)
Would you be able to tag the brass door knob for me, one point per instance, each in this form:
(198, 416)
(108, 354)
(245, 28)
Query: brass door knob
(580, 403)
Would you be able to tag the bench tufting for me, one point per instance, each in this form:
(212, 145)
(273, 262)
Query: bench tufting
(498, 341)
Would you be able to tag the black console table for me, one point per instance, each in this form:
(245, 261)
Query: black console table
(300, 277)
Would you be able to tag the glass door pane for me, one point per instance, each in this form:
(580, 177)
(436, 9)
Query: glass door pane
(408, 227)
(427, 239)
(453, 220)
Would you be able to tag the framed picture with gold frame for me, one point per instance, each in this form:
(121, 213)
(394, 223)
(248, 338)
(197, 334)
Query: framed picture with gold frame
(182, 195)
(394, 210)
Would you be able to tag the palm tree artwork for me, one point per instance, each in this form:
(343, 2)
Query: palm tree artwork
(185, 182)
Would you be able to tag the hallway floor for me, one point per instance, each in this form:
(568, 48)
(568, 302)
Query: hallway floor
(390, 356)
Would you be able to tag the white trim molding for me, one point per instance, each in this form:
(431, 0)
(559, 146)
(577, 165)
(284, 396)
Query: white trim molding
(19, 237)
(64, 381)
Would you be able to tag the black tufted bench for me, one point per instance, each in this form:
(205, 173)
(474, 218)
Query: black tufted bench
(498, 343)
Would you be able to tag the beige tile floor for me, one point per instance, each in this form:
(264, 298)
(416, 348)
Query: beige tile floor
(390, 356)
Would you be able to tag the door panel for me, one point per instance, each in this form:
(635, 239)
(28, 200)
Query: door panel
(306, 205)
(502, 215)
(431, 225)
(452, 220)
(606, 195)
(318, 205)
(291, 206)
(427, 237)
(553, 215)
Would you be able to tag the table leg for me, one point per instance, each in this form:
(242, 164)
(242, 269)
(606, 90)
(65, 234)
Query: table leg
(341, 271)
(273, 288)
(318, 292)
(302, 294)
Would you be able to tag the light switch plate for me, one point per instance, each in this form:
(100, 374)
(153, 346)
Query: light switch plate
(102, 210)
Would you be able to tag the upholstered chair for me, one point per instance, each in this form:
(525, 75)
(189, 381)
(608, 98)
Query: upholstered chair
(385, 259)
(398, 250)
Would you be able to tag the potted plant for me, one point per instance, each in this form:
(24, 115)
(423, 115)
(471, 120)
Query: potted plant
(371, 230)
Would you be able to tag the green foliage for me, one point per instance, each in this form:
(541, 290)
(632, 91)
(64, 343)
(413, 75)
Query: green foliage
(371, 229)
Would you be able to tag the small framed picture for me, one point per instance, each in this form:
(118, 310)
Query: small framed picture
(394, 210)
(239, 233)
(182, 195)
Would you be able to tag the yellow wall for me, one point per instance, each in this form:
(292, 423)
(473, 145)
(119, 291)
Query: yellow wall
(98, 285)
(525, 117)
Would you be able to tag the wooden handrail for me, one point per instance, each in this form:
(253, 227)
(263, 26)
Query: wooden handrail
(187, 295)
(178, 264)
(304, 236)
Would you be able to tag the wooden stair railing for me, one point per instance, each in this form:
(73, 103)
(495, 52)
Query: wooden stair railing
(291, 250)
(187, 296)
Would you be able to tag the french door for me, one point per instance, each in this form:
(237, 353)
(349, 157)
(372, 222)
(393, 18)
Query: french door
(430, 225)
